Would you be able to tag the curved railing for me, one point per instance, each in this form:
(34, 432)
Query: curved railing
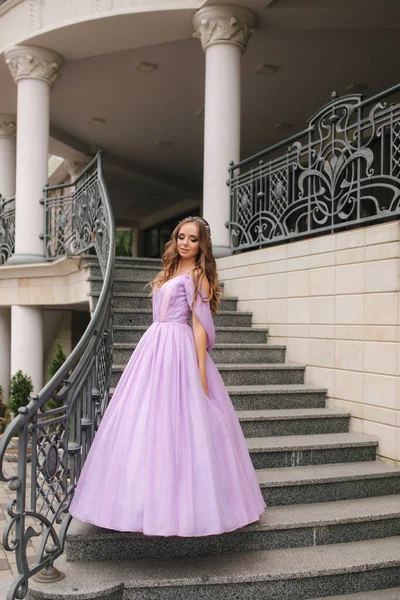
(341, 172)
(7, 229)
(56, 429)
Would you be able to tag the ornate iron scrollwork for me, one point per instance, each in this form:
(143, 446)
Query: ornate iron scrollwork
(7, 229)
(343, 171)
(58, 426)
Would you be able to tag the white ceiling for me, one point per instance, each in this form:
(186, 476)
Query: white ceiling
(319, 45)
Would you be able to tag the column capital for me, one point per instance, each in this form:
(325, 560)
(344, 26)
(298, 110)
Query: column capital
(32, 62)
(8, 126)
(224, 24)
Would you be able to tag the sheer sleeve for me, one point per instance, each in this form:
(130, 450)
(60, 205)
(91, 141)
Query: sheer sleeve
(201, 309)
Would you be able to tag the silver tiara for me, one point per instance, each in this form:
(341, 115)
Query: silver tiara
(206, 225)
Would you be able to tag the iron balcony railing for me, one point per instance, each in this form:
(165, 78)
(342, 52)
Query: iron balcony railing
(342, 171)
(56, 429)
(7, 229)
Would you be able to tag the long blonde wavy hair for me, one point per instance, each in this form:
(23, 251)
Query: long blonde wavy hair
(205, 262)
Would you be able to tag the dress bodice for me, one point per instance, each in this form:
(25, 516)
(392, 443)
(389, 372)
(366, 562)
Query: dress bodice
(172, 303)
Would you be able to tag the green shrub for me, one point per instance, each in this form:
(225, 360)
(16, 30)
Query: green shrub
(58, 360)
(56, 364)
(19, 391)
(3, 408)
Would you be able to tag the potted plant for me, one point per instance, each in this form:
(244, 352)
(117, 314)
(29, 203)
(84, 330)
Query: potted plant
(19, 392)
(6, 420)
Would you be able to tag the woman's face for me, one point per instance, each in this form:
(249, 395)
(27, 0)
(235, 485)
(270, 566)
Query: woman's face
(188, 240)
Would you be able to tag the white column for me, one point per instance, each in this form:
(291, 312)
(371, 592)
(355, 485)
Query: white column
(224, 31)
(27, 342)
(34, 70)
(7, 156)
(7, 191)
(5, 343)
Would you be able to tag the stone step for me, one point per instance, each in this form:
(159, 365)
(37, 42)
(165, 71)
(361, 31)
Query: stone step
(143, 300)
(126, 260)
(255, 374)
(226, 353)
(389, 594)
(302, 450)
(300, 421)
(284, 574)
(5, 584)
(279, 527)
(242, 374)
(122, 285)
(131, 286)
(331, 482)
(136, 272)
(131, 316)
(276, 397)
(138, 260)
(224, 335)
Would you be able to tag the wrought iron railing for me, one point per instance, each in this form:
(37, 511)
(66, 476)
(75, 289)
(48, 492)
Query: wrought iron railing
(7, 229)
(73, 218)
(343, 171)
(59, 424)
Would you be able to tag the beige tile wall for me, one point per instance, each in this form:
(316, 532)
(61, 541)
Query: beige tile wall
(334, 302)
(62, 283)
(58, 284)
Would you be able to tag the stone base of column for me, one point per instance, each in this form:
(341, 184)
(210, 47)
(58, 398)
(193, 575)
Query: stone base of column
(221, 251)
(23, 259)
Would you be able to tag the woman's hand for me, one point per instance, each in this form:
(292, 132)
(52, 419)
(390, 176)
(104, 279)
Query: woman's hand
(200, 340)
(203, 377)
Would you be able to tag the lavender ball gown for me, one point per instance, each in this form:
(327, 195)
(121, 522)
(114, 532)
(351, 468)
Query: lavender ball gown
(168, 460)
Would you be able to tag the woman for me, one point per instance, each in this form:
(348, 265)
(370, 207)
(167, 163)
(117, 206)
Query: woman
(169, 457)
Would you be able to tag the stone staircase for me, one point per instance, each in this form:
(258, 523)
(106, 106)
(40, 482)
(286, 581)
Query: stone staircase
(333, 513)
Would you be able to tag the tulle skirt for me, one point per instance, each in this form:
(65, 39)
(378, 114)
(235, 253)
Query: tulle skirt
(167, 459)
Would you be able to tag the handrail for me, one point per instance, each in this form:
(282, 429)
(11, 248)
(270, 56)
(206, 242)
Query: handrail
(297, 136)
(377, 97)
(270, 150)
(341, 172)
(80, 176)
(5, 202)
(59, 424)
